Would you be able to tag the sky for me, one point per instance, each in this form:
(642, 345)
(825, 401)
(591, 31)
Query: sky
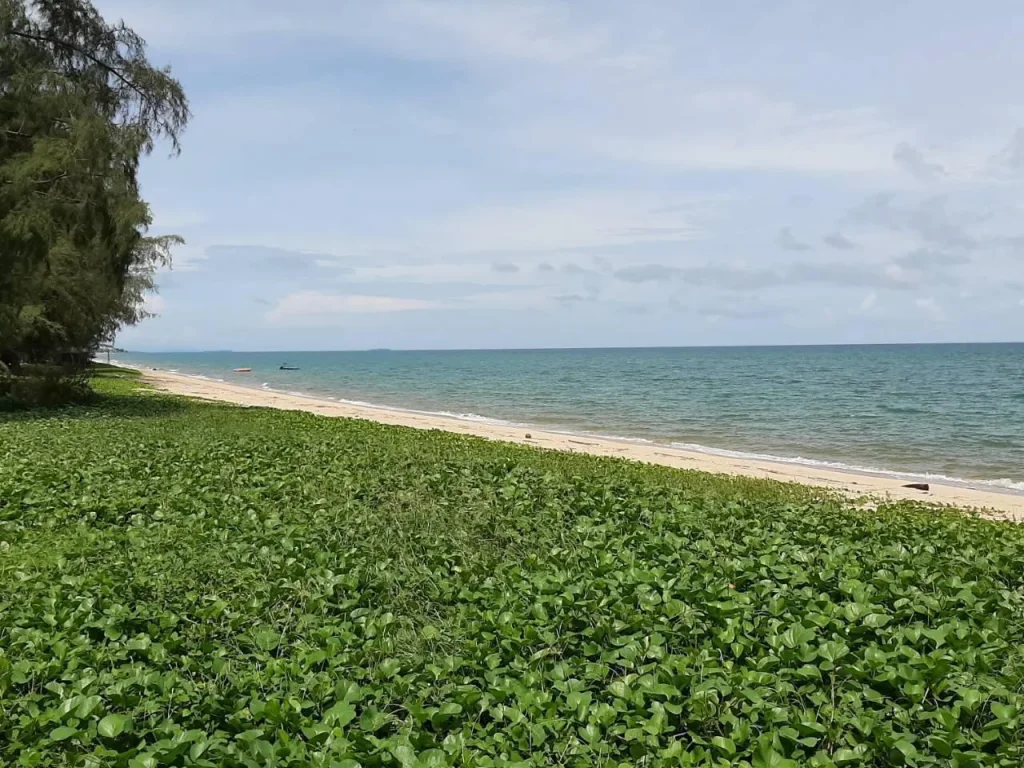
(545, 173)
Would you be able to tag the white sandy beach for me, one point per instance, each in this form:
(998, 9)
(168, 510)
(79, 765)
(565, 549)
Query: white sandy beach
(1003, 505)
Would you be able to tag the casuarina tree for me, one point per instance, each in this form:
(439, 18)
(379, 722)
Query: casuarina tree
(80, 105)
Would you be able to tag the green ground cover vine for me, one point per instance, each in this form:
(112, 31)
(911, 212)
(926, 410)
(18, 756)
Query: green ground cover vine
(192, 584)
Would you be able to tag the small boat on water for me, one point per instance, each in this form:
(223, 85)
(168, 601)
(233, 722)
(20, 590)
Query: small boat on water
(243, 370)
(286, 367)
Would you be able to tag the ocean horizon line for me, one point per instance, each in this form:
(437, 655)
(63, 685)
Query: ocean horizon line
(829, 345)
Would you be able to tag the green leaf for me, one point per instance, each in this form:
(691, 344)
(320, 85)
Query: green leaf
(673, 750)
(86, 706)
(970, 697)
(267, 639)
(833, 651)
(372, 720)
(767, 757)
(196, 751)
(405, 755)
(907, 749)
(432, 758)
(619, 688)
(853, 611)
(876, 620)
(796, 636)
(348, 691)
(112, 726)
(1003, 712)
(62, 733)
(340, 715)
(724, 745)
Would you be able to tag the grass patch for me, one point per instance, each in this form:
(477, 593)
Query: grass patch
(195, 584)
(107, 371)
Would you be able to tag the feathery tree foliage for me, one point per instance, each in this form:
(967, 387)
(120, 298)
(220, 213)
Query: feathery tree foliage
(79, 106)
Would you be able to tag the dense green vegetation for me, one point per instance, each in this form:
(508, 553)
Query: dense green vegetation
(79, 106)
(201, 585)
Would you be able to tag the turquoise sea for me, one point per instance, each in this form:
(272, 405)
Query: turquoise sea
(945, 410)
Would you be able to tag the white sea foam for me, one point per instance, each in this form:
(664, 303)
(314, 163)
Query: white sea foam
(474, 417)
(130, 366)
(1003, 483)
(620, 439)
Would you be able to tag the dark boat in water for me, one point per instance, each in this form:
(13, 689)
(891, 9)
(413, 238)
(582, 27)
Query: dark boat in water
(288, 368)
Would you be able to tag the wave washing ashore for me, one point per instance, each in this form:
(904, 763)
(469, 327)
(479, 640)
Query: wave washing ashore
(889, 484)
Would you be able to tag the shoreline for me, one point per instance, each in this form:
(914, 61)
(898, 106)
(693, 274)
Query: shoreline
(1004, 505)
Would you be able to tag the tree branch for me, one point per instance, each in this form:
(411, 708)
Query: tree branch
(82, 52)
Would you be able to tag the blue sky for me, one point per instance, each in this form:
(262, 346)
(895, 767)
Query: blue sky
(460, 174)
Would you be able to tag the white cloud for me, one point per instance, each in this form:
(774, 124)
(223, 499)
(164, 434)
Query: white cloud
(1009, 161)
(463, 30)
(537, 298)
(154, 303)
(315, 308)
(517, 232)
(540, 32)
(930, 307)
(432, 273)
(867, 303)
(575, 221)
(916, 163)
(749, 132)
(790, 242)
(578, 85)
(306, 305)
(895, 272)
